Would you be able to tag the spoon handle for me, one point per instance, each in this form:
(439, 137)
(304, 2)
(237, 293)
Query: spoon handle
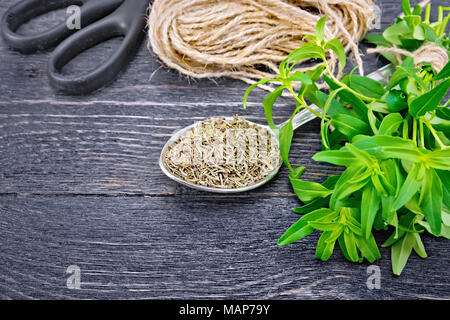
(304, 116)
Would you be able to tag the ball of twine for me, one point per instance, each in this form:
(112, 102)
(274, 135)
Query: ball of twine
(247, 39)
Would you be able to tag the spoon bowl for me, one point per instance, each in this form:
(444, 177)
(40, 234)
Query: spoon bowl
(300, 118)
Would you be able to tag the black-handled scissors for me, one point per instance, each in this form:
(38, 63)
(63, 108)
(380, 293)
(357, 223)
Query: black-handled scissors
(100, 20)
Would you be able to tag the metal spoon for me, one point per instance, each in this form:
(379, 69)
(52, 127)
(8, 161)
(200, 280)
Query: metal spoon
(299, 119)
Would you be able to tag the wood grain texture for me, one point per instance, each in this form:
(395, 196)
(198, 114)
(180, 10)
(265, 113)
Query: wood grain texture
(80, 185)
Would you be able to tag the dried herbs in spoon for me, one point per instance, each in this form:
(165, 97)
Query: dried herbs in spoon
(223, 153)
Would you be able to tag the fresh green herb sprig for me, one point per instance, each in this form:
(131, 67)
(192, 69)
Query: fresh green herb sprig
(393, 140)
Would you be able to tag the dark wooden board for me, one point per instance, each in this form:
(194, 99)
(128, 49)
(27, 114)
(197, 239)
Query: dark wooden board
(80, 185)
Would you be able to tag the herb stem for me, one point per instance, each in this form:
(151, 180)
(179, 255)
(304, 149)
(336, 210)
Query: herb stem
(302, 102)
(405, 129)
(433, 132)
(422, 136)
(414, 134)
(372, 123)
(359, 95)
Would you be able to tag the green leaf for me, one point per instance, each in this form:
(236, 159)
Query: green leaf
(316, 73)
(378, 40)
(297, 173)
(356, 103)
(301, 228)
(445, 230)
(353, 224)
(444, 73)
(409, 42)
(390, 56)
(313, 205)
(430, 35)
(336, 46)
(326, 243)
(443, 113)
(364, 85)
(431, 200)
(363, 156)
(412, 73)
(336, 138)
(350, 245)
(308, 92)
(417, 10)
(337, 157)
(408, 63)
(376, 181)
(429, 100)
(418, 246)
(253, 86)
(300, 77)
(320, 27)
(380, 107)
(324, 130)
(353, 179)
(350, 125)
(390, 124)
(413, 21)
(308, 191)
(307, 51)
(331, 181)
(398, 76)
(297, 231)
(409, 188)
(310, 37)
(406, 7)
(392, 173)
(439, 159)
(335, 106)
(400, 252)
(384, 147)
(268, 103)
(285, 137)
(370, 204)
(392, 33)
(373, 120)
(419, 33)
(393, 238)
(342, 246)
(445, 179)
(368, 248)
(324, 226)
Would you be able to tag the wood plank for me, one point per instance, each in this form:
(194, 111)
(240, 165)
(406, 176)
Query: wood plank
(79, 184)
(151, 247)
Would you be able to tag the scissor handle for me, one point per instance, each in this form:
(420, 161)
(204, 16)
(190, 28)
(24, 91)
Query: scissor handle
(128, 20)
(15, 16)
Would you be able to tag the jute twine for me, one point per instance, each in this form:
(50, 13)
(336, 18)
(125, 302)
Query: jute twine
(247, 39)
(430, 53)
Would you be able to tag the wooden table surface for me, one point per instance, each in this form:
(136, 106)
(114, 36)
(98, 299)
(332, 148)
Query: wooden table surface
(80, 185)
